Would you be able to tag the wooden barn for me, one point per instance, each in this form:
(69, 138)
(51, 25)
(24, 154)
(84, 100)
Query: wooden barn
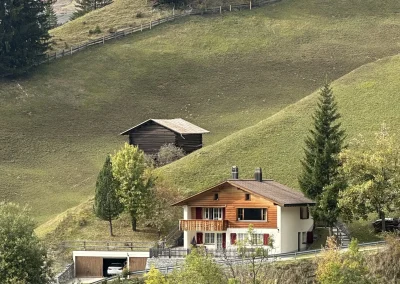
(151, 134)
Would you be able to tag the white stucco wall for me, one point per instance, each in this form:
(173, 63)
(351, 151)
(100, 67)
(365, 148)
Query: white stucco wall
(290, 226)
(187, 235)
(273, 233)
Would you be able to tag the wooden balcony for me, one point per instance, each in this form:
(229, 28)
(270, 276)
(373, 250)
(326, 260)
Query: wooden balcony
(203, 225)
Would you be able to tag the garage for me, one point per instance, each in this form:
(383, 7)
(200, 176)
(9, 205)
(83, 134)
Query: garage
(95, 263)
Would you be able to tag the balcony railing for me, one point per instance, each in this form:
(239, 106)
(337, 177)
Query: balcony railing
(203, 225)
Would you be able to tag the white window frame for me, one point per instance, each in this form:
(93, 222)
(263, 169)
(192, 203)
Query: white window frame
(209, 238)
(213, 213)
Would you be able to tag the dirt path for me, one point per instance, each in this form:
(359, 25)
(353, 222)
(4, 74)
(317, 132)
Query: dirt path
(64, 10)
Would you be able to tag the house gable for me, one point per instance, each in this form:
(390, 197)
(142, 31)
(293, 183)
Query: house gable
(232, 198)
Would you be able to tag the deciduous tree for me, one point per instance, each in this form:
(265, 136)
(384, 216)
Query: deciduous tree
(24, 36)
(335, 267)
(23, 258)
(198, 268)
(135, 181)
(373, 177)
(318, 179)
(106, 202)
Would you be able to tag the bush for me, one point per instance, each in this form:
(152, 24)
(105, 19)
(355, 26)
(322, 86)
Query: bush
(139, 15)
(97, 30)
(169, 153)
(112, 30)
(125, 272)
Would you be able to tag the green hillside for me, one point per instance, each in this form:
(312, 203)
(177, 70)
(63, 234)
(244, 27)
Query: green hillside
(367, 97)
(222, 73)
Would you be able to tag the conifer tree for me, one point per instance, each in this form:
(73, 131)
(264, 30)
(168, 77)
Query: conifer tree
(319, 177)
(51, 14)
(24, 36)
(106, 202)
(85, 6)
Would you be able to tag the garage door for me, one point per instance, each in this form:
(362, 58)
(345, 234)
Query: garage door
(87, 266)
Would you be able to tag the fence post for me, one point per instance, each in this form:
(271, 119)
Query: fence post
(230, 8)
(250, 5)
(220, 9)
(48, 57)
(63, 52)
(169, 253)
(103, 39)
(71, 50)
(173, 11)
(84, 245)
(150, 25)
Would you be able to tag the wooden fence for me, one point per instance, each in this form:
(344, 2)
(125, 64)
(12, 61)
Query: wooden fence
(107, 245)
(148, 26)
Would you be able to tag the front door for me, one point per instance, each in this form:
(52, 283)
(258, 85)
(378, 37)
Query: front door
(219, 241)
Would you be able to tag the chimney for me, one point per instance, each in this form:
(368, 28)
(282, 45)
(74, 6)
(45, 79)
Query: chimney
(235, 172)
(258, 174)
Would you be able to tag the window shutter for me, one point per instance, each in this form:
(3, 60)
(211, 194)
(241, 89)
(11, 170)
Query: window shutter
(223, 213)
(310, 237)
(308, 212)
(233, 238)
(199, 212)
(266, 239)
(199, 238)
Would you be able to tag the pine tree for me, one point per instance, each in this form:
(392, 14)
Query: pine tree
(24, 36)
(106, 203)
(85, 6)
(51, 14)
(319, 177)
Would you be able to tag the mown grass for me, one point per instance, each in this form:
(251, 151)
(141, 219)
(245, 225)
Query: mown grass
(366, 98)
(223, 73)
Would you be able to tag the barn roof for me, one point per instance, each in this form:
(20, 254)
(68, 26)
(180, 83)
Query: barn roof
(177, 125)
(269, 189)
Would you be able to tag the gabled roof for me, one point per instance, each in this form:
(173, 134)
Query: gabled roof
(177, 125)
(268, 189)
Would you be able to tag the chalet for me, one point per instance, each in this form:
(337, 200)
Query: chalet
(219, 216)
(151, 134)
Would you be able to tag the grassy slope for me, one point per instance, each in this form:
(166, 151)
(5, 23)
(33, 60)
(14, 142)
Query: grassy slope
(119, 14)
(366, 97)
(222, 73)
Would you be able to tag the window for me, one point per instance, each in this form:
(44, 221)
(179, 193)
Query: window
(255, 239)
(252, 214)
(209, 238)
(304, 213)
(247, 196)
(215, 196)
(213, 213)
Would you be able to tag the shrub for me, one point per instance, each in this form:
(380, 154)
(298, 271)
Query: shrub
(112, 30)
(139, 14)
(97, 30)
(169, 153)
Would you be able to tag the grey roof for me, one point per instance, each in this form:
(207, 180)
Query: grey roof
(269, 189)
(274, 191)
(177, 125)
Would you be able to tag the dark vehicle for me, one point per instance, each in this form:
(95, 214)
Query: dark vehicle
(391, 224)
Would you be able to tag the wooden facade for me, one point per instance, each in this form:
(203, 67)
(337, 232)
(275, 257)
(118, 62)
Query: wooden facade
(137, 263)
(87, 266)
(150, 136)
(232, 198)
